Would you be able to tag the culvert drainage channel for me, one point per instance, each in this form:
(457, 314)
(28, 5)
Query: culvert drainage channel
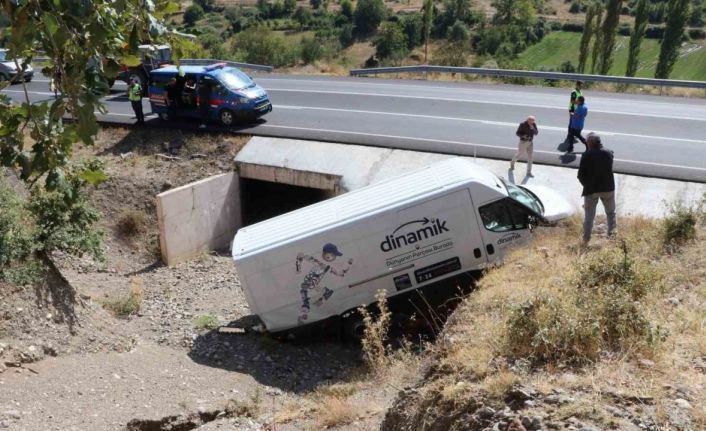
(262, 200)
(175, 423)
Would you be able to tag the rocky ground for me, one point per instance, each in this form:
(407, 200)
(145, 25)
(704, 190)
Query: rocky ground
(68, 363)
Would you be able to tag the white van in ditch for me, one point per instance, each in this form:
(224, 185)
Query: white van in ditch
(399, 235)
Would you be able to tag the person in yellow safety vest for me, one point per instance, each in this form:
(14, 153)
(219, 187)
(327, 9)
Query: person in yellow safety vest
(570, 139)
(134, 94)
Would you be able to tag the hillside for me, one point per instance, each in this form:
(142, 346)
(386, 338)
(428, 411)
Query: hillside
(611, 337)
(559, 47)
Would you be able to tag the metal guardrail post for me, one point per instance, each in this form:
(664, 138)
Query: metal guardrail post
(531, 74)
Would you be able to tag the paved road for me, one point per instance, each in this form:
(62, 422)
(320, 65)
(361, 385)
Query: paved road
(653, 136)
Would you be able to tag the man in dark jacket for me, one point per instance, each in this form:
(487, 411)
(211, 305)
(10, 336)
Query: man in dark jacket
(596, 176)
(526, 132)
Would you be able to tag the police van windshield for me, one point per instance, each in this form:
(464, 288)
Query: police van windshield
(3, 54)
(524, 197)
(234, 79)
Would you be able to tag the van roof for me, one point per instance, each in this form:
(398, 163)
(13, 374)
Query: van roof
(172, 69)
(363, 201)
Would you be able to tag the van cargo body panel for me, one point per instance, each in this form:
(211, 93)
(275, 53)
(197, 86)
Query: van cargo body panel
(398, 235)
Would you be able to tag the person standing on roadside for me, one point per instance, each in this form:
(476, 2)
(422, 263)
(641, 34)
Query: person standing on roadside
(172, 93)
(204, 102)
(134, 94)
(577, 123)
(596, 177)
(572, 107)
(526, 131)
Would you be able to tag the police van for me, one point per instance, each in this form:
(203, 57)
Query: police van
(233, 94)
(400, 235)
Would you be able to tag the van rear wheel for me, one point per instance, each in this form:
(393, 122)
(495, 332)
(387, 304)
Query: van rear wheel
(226, 117)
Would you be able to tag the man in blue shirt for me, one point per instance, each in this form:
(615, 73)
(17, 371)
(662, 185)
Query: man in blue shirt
(577, 120)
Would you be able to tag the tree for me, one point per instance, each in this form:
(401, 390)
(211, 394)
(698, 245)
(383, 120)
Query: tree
(315, 4)
(598, 41)
(367, 16)
(588, 31)
(520, 12)
(85, 42)
(347, 9)
(390, 42)
(459, 32)
(428, 10)
(290, 6)
(609, 32)
(302, 16)
(412, 26)
(638, 33)
(345, 36)
(206, 5)
(71, 34)
(260, 45)
(192, 14)
(311, 49)
(677, 15)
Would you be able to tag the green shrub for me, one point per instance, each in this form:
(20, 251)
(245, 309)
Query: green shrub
(206, 321)
(261, 45)
(16, 229)
(390, 42)
(602, 311)
(368, 15)
(192, 14)
(127, 306)
(311, 50)
(679, 226)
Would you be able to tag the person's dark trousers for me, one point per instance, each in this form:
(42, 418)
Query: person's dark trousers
(172, 110)
(137, 108)
(574, 134)
(203, 112)
(570, 140)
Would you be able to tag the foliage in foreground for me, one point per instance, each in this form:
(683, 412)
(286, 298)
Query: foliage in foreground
(601, 310)
(47, 221)
(85, 43)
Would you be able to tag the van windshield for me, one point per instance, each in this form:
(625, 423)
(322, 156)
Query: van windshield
(234, 79)
(3, 55)
(524, 197)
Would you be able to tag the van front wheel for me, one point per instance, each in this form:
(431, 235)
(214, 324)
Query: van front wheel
(354, 327)
(226, 117)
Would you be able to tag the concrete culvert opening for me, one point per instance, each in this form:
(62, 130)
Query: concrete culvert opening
(269, 191)
(261, 200)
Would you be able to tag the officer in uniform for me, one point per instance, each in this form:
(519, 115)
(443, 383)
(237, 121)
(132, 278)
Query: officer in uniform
(570, 139)
(134, 94)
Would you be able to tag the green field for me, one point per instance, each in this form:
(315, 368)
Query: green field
(559, 47)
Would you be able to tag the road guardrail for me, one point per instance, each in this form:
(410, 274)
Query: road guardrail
(208, 61)
(530, 74)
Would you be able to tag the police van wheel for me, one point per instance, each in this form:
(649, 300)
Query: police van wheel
(226, 117)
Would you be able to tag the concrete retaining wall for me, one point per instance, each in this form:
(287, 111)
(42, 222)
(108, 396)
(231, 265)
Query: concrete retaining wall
(198, 217)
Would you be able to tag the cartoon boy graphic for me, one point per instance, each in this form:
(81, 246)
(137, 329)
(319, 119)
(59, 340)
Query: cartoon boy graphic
(317, 272)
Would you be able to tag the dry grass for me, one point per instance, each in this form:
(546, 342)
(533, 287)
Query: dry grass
(128, 305)
(131, 223)
(475, 358)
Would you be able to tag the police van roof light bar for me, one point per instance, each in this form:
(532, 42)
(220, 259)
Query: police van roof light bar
(215, 66)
